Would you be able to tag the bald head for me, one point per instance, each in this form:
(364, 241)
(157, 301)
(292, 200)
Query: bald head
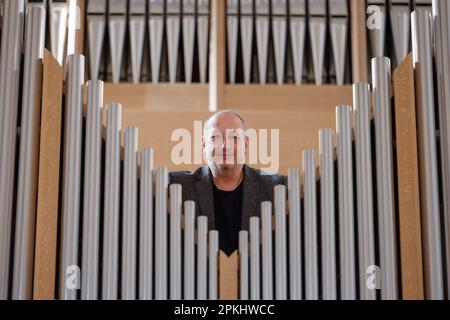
(224, 141)
(225, 119)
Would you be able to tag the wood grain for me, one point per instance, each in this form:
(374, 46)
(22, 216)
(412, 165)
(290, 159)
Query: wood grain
(48, 181)
(228, 276)
(297, 112)
(408, 182)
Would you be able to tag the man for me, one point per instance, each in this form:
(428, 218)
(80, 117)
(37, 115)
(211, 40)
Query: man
(227, 191)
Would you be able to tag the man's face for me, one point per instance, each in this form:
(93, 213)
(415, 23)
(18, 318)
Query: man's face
(224, 141)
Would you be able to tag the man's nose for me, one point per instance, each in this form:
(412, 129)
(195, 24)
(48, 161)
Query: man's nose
(226, 143)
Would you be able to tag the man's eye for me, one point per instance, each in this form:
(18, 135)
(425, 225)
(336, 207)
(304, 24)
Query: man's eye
(213, 138)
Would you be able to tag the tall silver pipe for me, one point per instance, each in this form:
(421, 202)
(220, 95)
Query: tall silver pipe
(279, 30)
(161, 233)
(137, 21)
(189, 250)
(298, 34)
(428, 165)
(175, 241)
(10, 64)
(310, 216)
(364, 187)
(401, 28)
(212, 272)
(129, 215)
(243, 265)
(156, 26)
(232, 37)
(377, 26)
(327, 213)
(202, 245)
(71, 175)
(262, 36)
(91, 202)
(280, 242)
(173, 16)
(346, 220)
(203, 36)
(188, 37)
(381, 79)
(295, 234)
(117, 27)
(28, 154)
(110, 261)
(266, 248)
(58, 28)
(441, 14)
(246, 18)
(317, 30)
(255, 291)
(338, 29)
(146, 226)
(96, 25)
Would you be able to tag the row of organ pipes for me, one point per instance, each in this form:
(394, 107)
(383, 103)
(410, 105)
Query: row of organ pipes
(110, 193)
(177, 33)
(310, 38)
(268, 41)
(279, 30)
(121, 34)
(390, 35)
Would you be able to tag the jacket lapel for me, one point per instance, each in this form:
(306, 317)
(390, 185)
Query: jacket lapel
(205, 195)
(250, 196)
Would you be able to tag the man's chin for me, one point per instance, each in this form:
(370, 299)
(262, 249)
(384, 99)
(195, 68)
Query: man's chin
(225, 166)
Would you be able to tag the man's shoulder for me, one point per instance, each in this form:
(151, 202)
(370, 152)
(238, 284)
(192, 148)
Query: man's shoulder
(184, 176)
(180, 176)
(272, 178)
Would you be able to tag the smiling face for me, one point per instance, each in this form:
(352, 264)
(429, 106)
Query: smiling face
(224, 141)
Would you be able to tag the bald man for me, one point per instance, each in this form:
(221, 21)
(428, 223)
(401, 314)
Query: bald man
(227, 190)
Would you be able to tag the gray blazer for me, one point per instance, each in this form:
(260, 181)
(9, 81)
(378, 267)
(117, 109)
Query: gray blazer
(198, 186)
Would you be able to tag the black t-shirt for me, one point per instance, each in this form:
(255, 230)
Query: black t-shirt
(228, 213)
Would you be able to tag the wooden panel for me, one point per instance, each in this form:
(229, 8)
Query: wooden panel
(217, 55)
(228, 276)
(408, 182)
(298, 130)
(256, 97)
(286, 97)
(159, 97)
(297, 111)
(359, 41)
(48, 183)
